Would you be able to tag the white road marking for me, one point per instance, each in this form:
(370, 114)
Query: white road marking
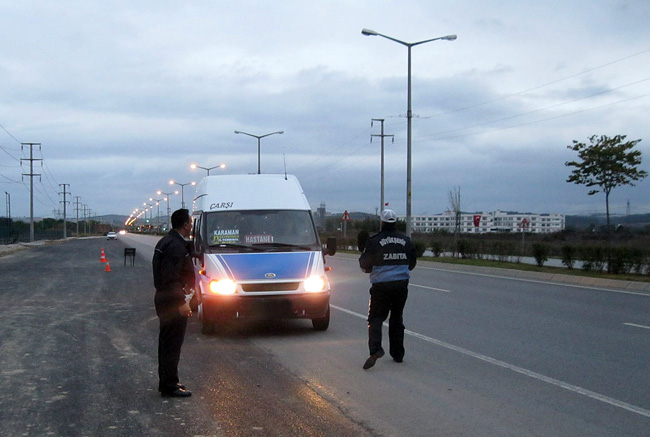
(537, 281)
(538, 376)
(430, 288)
(637, 326)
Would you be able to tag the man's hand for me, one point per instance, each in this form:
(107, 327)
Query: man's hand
(185, 310)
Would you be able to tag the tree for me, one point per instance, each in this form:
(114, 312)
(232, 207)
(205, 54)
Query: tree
(454, 199)
(606, 163)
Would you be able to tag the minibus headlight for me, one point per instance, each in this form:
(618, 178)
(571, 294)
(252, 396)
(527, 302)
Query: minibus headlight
(223, 286)
(314, 284)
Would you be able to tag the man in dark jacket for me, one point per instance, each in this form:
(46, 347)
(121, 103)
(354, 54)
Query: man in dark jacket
(389, 257)
(173, 276)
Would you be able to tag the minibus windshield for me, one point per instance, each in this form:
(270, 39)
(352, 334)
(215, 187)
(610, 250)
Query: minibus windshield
(272, 229)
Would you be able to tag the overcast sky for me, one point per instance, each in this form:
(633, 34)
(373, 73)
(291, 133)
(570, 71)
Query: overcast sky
(124, 95)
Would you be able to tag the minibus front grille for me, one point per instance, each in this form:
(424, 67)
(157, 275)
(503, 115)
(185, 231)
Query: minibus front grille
(271, 286)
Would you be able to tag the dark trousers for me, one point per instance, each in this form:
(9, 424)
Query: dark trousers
(385, 298)
(170, 341)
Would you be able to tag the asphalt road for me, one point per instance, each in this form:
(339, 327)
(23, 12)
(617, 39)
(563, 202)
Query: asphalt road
(486, 355)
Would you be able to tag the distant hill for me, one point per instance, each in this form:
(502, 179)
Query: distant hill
(112, 219)
(587, 221)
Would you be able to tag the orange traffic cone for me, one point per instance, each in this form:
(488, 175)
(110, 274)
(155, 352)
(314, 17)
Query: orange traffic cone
(103, 257)
(108, 267)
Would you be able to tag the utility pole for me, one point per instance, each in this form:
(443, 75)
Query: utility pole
(85, 219)
(65, 223)
(31, 175)
(76, 207)
(382, 135)
(8, 196)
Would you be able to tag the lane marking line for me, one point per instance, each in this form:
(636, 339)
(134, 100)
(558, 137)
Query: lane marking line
(430, 288)
(538, 376)
(537, 281)
(637, 326)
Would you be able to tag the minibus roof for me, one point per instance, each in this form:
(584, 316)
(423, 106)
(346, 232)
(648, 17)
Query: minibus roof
(249, 192)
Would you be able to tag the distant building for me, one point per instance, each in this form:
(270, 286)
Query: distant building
(485, 222)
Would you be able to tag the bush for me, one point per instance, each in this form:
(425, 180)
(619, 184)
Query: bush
(622, 260)
(420, 247)
(501, 250)
(639, 258)
(468, 249)
(568, 256)
(437, 248)
(540, 252)
(593, 258)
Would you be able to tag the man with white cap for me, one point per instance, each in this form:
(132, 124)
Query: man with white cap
(389, 257)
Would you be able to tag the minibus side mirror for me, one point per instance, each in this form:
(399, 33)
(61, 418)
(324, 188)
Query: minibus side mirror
(331, 246)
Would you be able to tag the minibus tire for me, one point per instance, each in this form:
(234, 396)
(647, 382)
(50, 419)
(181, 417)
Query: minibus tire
(322, 323)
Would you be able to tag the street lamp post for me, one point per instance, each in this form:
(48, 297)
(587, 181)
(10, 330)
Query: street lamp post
(409, 114)
(259, 137)
(172, 182)
(148, 207)
(158, 205)
(194, 166)
(167, 199)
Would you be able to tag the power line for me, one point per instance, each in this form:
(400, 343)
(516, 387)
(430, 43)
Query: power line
(535, 88)
(543, 109)
(9, 133)
(544, 119)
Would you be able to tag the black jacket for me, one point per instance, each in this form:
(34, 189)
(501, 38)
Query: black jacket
(388, 256)
(172, 271)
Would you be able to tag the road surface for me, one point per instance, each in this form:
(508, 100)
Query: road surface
(485, 355)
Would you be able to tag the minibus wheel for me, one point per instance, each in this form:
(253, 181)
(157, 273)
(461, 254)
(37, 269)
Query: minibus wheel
(322, 323)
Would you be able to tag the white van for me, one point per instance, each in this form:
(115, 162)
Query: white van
(258, 253)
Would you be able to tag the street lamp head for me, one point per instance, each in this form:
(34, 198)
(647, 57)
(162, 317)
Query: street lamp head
(193, 166)
(368, 32)
(450, 37)
(171, 182)
(237, 132)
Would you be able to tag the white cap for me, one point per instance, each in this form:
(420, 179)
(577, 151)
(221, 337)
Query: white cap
(388, 216)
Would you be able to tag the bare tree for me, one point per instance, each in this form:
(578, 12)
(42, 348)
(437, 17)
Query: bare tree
(454, 200)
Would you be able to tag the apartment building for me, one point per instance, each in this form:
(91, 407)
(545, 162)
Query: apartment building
(485, 222)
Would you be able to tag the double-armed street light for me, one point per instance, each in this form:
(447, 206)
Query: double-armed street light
(194, 166)
(148, 207)
(172, 182)
(158, 205)
(409, 114)
(259, 137)
(159, 192)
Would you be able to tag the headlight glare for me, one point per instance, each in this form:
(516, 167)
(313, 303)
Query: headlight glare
(223, 286)
(314, 284)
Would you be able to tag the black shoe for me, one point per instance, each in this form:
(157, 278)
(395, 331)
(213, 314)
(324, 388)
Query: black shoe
(181, 386)
(178, 393)
(372, 359)
(398, 360)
